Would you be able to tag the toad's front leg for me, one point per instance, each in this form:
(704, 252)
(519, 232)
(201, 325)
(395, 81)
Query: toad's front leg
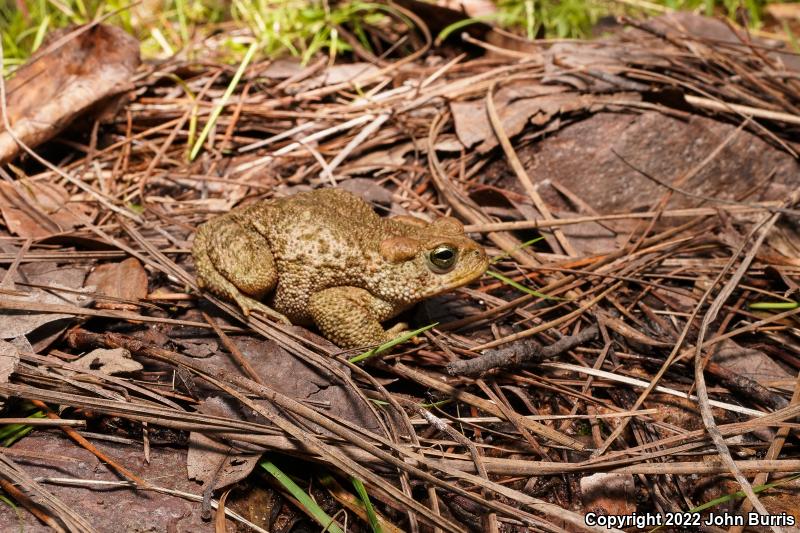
(351, 317)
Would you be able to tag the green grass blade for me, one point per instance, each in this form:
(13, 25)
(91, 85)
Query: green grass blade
(774, 306)
(41, 31)
(311, 507)
(362, 493)
(520, 247)
(212, 120)
(11, 433)
(180, 7)
(394, 342)
(436, 404)
(452, 28)
(520, 287)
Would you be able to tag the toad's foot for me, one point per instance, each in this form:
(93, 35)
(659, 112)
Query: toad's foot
(248, 305)
(399, 329)
(396, 330)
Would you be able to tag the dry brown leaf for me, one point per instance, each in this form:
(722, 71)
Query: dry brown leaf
(391, 157)
(17, 323)
(301, 380)
(387, 158)
(281, 69)
(517, 105)
(200, 348)
(110, 362)
(210, 460)
(114, 510)
(9, 359)
(38, 209)
(367, 189)
(579, 157)
(84, 74)
(126, 280)
(336, 74)
(750, 363)
(784, 238)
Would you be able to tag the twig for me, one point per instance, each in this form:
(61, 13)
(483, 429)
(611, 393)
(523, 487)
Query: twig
(702, 392)
(519, 353)
(519, 170)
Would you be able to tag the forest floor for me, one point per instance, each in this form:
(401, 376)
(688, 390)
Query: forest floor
(634, 346)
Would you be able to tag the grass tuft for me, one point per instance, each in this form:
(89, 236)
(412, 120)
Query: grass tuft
(305, 28)
(364, 496)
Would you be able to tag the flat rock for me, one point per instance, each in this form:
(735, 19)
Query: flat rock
(581, 158)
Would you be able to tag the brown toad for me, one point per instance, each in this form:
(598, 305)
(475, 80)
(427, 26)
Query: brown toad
(325, 257)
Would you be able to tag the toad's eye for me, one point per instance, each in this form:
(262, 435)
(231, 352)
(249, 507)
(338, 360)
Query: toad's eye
(443, 257)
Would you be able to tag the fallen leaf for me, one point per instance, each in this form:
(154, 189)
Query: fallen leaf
(367, 189)
(394, 156)
(197, 348)
(519, 104)
(301, 380)
(17, 323)
(21, 343)
(581, 157)
(281, 69)
(110, 362)
(708, 30)
(117, 510)
(68, 77)
(9, 358)
(38, 209)
(589, 238)
(126, 280)
(784, 238)
(214, 461)
(336, 74)
(750, 363)
(378, 160)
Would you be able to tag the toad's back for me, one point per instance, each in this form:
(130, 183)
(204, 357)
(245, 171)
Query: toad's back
(323, 240)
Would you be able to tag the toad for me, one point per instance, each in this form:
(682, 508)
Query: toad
(326, 258)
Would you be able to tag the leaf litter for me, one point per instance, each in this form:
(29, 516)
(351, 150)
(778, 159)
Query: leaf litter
(651, 161)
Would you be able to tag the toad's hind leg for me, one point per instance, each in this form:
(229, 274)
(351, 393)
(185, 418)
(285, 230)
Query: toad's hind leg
(234, 262)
